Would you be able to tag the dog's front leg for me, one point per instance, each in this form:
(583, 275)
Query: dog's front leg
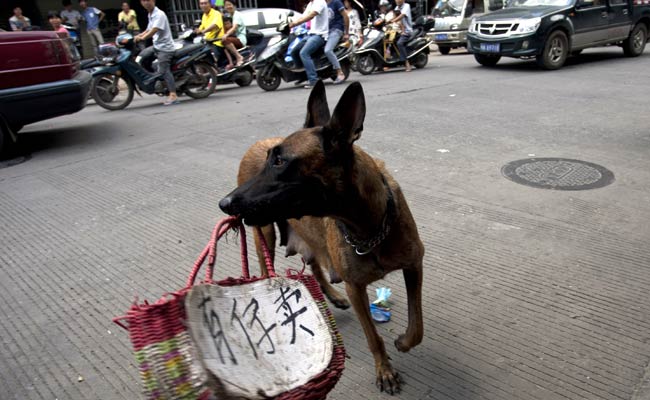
(415, 329)
(387, 379)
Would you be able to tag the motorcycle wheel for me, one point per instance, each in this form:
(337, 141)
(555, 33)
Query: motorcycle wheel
(245, 78)
(112, 92)
(270, 80)
(203, 81)
(421, 60)
(366, 64)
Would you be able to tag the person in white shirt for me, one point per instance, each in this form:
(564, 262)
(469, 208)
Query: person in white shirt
(163, 45)
(407, 22)
(316, 12)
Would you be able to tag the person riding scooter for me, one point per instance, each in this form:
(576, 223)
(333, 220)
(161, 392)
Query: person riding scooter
(163, 44)
(406, 20)
(339, 25)
(211, 28)
(317, 11)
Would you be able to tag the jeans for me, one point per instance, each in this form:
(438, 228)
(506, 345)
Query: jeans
(164, 68)
(401, 45)
(304, 50)
(333, 40)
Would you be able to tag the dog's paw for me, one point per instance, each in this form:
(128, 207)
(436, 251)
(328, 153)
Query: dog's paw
(388, 380)
(341, 303)
(403, 343)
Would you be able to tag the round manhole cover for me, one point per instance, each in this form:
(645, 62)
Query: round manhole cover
(558, 173)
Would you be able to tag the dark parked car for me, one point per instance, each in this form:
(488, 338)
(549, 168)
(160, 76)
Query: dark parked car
(39, 79)
(551, 30)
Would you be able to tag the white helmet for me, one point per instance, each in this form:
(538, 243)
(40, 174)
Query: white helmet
(384, 3)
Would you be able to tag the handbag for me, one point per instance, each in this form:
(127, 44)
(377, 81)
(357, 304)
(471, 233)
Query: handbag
(246, 337)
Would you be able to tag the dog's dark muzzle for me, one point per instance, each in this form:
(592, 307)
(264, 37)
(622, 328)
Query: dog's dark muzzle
(226, 204)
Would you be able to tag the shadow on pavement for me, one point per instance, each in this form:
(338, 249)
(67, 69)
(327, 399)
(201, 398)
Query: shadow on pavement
(36, 139)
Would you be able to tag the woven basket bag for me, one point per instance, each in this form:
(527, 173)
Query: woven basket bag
(171, 355)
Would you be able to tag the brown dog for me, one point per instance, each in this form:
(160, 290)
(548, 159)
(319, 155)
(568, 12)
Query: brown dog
(339, 208)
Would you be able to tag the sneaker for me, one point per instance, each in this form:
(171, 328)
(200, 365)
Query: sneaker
(170, 102)
(310, 85)
(339, 79)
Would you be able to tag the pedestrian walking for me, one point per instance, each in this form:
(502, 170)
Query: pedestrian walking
(93, 17)
(163, 44)
(18, 21)
(70, 15)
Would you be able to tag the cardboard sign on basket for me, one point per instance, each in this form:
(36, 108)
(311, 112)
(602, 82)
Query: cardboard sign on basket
(265, 337)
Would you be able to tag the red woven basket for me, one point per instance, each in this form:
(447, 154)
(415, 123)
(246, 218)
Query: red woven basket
(167, 361)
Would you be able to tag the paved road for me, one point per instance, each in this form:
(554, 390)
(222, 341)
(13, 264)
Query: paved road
(529, 293)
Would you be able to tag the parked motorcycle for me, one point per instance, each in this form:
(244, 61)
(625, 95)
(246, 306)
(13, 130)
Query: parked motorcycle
(114, 84)
(272, 67)
(371, 55)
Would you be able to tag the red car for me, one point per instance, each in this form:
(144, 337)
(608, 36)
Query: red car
(39, 79)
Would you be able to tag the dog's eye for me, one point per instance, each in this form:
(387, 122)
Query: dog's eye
(278, 161)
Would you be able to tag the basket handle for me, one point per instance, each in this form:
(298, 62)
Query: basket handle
(210, 251)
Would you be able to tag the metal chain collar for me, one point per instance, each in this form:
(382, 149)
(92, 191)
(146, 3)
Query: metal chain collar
(363, 247)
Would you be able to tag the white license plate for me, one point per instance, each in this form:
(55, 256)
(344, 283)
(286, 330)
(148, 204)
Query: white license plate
(490, 47)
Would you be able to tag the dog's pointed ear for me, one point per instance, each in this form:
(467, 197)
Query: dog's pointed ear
(346, 124)
(318, 112)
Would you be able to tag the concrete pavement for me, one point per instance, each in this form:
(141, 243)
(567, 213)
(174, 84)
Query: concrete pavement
(529, 293)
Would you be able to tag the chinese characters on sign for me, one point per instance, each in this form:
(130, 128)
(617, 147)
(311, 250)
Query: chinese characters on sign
(246, 322)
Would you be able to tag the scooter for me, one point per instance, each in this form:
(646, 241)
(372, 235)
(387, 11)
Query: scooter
(272, 67)
(243, 74)
(372, 54)
(114, 84)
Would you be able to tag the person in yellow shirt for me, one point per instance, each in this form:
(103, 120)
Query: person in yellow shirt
(129, 19)
(212, 28)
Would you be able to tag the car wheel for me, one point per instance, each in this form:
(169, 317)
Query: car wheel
(203, 81)
(112, 92)
(556, 50)
(444, 50)
(487, 60)
(269, 80)
(366, 64)
(634, 45)
(421, 60)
